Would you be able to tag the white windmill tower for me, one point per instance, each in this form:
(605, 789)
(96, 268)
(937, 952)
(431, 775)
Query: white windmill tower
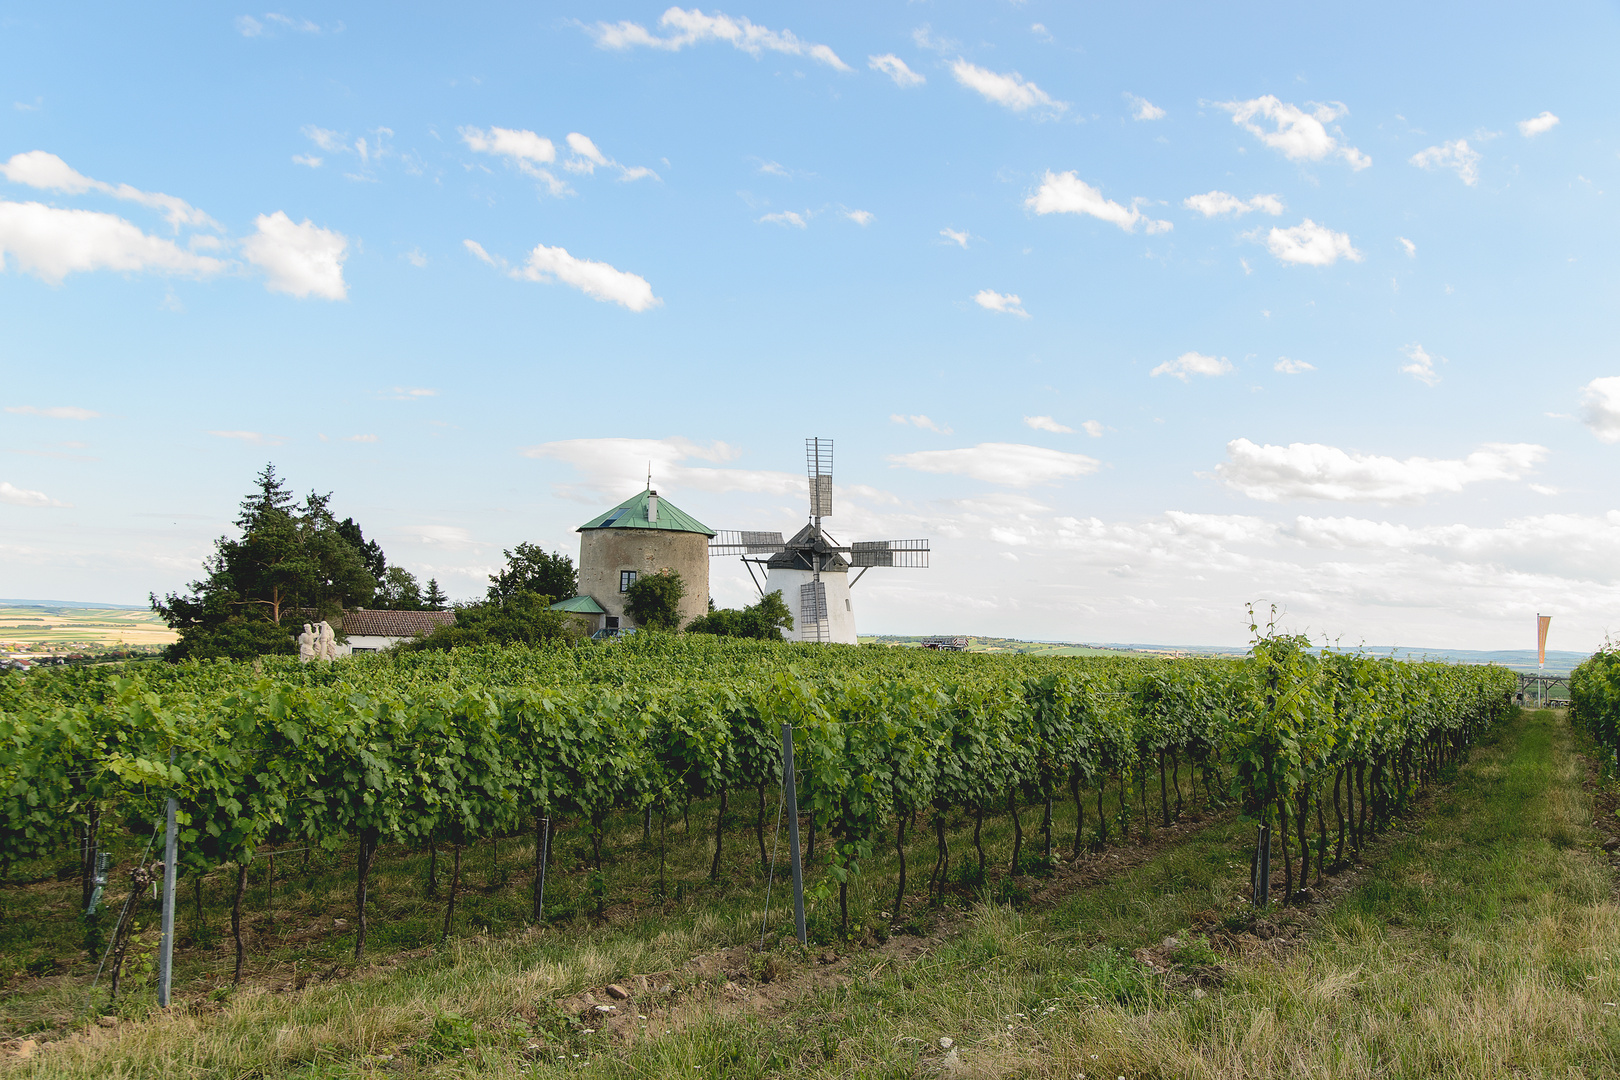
(812, 570)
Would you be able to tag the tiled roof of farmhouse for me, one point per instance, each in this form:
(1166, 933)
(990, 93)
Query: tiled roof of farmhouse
(400, 624)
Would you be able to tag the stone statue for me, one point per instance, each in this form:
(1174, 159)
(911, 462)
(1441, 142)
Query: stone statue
(326, 641)
(306, 645)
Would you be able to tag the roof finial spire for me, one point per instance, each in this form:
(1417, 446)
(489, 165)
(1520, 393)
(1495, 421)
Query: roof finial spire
(649, 476)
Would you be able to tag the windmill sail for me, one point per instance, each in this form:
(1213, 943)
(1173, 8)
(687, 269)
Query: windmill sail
(818, 455)
(813, 611)
(904, 553)
(745, 542)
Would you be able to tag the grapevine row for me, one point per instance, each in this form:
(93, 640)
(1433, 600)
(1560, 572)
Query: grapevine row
(446, 749)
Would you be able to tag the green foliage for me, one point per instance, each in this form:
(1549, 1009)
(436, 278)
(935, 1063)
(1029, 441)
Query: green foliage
(451, 1035)
(523, 619)
(530, 569)
(654, 600)
(397, 590)
(1594, 695)
(1112, 976)
(234, 638)
(434, 599)
(287, 557)
(765, 620)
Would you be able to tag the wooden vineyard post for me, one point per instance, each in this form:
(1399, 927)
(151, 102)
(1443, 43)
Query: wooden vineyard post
(1261, 878)
(789, 785)
(166, 946)
(540, 883)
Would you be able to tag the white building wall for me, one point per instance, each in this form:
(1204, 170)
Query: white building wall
(840, 613)
(371, 642)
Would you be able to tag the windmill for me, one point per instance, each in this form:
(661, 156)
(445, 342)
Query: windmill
(812, 570)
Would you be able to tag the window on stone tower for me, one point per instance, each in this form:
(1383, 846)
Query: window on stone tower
(627, 578)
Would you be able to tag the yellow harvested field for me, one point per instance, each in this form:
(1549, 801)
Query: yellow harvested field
(65, 628)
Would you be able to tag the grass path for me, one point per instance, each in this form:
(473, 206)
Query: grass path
(1484, 943)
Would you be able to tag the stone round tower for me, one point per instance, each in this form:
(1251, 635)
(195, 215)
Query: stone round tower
(642, 535)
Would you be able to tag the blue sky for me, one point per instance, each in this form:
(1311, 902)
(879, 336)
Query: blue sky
(1140, 314)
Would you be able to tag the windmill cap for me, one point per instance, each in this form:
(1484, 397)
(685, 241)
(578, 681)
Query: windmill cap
(633, 513)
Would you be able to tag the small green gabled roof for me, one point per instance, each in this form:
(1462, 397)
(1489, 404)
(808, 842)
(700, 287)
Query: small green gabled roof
(579, 605)
(632, 514)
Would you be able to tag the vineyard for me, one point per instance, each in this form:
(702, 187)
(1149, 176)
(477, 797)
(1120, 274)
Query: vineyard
(1594, 698)
(438, 751)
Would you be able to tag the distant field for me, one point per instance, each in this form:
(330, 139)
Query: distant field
(1013, 645)
(69, 628)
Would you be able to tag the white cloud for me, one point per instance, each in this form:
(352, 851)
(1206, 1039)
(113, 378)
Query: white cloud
(52, 243)
(448, 536)
(683, 28)
(1094, 428)
(1600, 407)
(47, 172)
(254, 438)
(302, 26)
(1455, 155)
(586, 156)
(955, 237)
(248, 26)
(1310, 244)
(786, 217)
(1314, 471)
(1193, 363)
(309, 160)
(1066, 193)
(1217, 203)
(597, 280)
(919, 421)
(773, 168)
(525, 149)
(863, 218)
(1046, 423)
(1011, 90)
(896, 69)
(1536, 125)
(924, 38)
(1298, 135)
(1003, 303)
(1421, 365)
(330, 141)
(1143, 109)
(1012, 464)
(616, 467)
(360, 438)
(1292, 367)
(410, 393)
(298, 259)
(16, 496)
(54, 412)
(1407, 246)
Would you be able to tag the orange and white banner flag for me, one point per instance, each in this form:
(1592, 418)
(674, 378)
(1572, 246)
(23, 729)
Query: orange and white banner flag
(1541, 639)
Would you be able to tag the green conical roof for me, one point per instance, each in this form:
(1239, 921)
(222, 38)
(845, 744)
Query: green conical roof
(579, 605)
(632, 514)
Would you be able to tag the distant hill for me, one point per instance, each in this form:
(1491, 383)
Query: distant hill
(72, 604)
(1559, 662)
